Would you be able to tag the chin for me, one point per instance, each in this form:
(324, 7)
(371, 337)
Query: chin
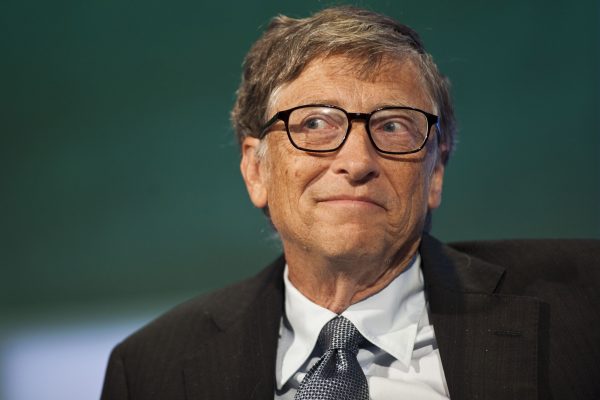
(352, 244)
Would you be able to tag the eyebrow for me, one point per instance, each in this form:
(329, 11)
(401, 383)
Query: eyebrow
(322, 101)
(337, 104)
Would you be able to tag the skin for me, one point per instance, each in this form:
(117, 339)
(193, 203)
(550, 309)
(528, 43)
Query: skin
(350, 221)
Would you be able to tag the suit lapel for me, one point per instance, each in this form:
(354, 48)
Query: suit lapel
(238, 362)
(488, 342)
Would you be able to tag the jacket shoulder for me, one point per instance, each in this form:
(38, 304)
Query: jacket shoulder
(533, 263)
(534, 247)
(205, 313)
(564, 277)
(148, 363)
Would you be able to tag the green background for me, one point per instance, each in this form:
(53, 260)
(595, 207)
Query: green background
(119, 172)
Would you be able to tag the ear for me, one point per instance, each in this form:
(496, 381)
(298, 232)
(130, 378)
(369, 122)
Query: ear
(252, 172)
(435, 184)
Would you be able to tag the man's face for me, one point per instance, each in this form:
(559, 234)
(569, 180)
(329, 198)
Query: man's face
(354, 203)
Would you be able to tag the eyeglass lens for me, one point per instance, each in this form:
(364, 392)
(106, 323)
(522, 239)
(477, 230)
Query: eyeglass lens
(324, 128)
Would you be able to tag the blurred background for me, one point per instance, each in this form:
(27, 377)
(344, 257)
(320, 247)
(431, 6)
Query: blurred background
(120, 194)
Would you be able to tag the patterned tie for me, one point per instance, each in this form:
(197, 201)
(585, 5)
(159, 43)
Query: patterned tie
(337, 375)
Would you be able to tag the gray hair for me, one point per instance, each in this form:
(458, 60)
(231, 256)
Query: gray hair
(288, 45)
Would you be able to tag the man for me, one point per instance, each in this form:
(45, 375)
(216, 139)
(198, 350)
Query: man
(345, 126)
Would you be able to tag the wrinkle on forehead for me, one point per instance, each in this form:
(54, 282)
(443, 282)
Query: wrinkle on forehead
(363, 71)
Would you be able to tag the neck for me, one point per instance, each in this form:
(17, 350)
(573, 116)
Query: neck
(336, 283)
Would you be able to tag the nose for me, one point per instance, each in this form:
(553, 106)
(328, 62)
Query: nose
(357, 160)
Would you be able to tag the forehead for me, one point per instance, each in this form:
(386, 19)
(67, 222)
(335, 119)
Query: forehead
(339, 81)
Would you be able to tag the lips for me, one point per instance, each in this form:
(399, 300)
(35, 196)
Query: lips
(351, 199)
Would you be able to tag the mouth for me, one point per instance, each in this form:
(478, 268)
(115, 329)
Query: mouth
(351, 201)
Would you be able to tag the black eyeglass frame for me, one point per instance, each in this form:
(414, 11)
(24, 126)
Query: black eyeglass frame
(284, 116)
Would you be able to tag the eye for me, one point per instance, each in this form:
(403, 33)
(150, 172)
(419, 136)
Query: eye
(315, 123)
(320, 123)
(393, 126)
(317, 120)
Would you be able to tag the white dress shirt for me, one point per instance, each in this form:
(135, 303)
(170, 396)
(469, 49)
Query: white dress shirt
(400, 359)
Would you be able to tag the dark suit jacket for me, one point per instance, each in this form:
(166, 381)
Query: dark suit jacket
(513, 319)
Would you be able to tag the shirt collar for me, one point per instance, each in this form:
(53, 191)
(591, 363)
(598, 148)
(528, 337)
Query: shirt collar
(389, 319)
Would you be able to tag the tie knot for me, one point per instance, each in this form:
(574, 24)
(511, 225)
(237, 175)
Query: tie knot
(340, 333)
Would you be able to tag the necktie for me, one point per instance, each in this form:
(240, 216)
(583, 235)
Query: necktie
(337, 375)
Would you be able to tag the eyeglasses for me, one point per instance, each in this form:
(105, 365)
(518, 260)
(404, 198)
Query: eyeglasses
(324, 128)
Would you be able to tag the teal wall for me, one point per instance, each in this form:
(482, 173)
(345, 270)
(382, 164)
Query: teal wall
(119, 173)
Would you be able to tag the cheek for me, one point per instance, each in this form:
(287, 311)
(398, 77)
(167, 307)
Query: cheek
(411, 187)
(283, 187)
